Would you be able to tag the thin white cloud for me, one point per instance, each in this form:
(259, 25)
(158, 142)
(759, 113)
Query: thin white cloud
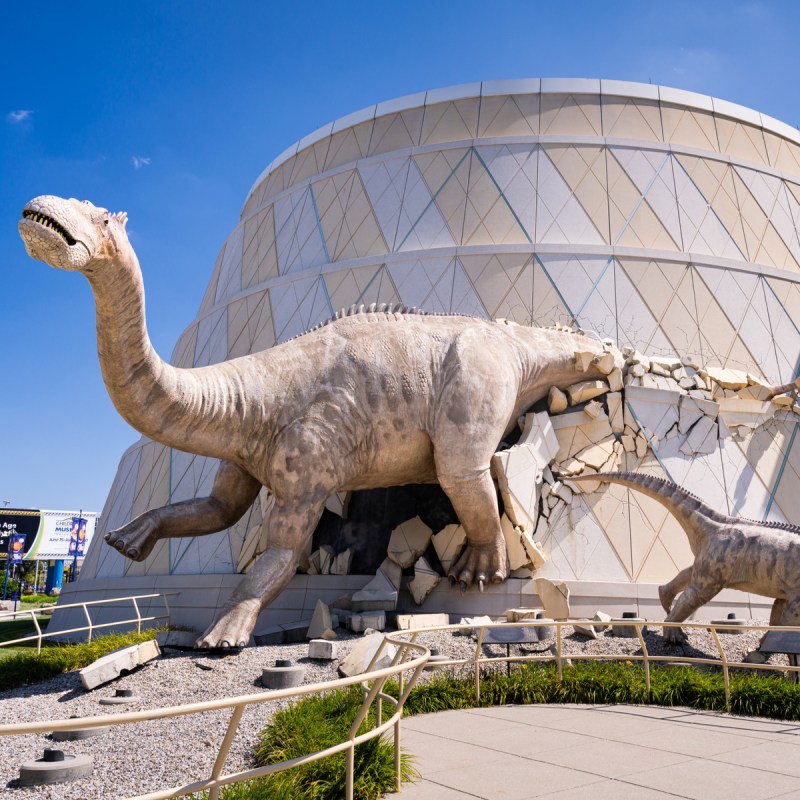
(19, 116)
(140, 161)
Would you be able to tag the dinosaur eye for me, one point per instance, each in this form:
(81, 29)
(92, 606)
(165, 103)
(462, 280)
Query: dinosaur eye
(105, 221)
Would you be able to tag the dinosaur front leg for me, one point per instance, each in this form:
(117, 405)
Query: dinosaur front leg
(289, 527)
(687, 603)
(669, 591)
(233, 492)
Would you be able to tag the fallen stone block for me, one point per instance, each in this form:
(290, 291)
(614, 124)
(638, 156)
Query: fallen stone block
(556, 400)
(533, 550)
(593, 409)
(448, 544)
(326, 556)
(522, 614)
(585, 390)
(601, 620)
(554, 597)
(270, 636)
(322, 650)
(702, 437)
(337, 504)
(371, 619)
(342, 562)
(357, 661)
(585, 629)
(112, 665)
(295, 632)
(314, 563)
(425, 580)
(410, 622)
(321, 622)
(409, 541)
(517, 556)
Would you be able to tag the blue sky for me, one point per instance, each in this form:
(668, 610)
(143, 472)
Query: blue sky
(171, 110)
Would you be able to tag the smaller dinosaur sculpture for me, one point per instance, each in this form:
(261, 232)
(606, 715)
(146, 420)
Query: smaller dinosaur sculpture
(730, 553)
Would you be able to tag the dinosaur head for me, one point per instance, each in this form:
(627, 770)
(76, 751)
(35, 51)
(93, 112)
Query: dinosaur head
(71, 234)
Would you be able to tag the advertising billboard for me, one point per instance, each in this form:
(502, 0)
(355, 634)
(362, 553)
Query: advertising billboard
(48, 534)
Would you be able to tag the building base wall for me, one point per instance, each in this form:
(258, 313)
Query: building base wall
(194, 600)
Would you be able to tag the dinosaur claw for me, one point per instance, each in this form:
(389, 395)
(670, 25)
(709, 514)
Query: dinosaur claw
(480, 584)
(463, 585)
(452, 579)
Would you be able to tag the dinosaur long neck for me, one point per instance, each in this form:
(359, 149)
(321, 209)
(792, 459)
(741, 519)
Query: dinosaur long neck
(180, 408)
(691, 513)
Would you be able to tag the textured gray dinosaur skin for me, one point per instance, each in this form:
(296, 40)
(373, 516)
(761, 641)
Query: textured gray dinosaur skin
(730, 553)
(376, 398)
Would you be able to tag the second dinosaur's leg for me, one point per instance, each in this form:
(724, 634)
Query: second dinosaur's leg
(687, 603)
(475, 502)
(289, 527)
(776, 616)
(233, 492)
(669, 591)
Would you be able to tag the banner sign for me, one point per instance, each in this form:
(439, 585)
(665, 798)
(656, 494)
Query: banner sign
(77, 537)
(16, 547)
(47, 534)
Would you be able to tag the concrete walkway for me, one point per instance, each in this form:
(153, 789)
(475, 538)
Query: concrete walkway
(597, 752)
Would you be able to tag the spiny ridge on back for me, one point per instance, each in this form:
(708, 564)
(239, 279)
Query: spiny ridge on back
(389, 309)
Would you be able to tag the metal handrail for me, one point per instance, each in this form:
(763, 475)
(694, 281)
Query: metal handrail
(217, 780)
(645, 656)
(90, 626)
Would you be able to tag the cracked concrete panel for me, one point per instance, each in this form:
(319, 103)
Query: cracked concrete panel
(425, 580)
(688, 414)
(517, 556)
(655, 409)
(615, 416)
(519, 474)
(597, 455)
(735, 412)
(539, 433)
(554, 597)
(448, 544)
(577, 430)
(380, 594)
(409, 541)
(702, 438)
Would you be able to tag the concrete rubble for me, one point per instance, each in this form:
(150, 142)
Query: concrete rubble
(112, 665)
(425, 580)
(554, 597)
(381, 592)
(409, 541)
(358, 659)
(449, 543)
(321, 625)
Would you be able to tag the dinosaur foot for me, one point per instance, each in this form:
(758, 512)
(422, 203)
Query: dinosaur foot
(481, 564)
(666, 597)
(136, 539)
(232, 629)
(675, 636)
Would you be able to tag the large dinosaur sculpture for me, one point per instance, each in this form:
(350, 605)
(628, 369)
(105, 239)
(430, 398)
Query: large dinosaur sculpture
(730, 553)
(374, 399)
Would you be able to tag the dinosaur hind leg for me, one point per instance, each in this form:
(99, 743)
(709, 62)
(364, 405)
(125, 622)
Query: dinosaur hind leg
(289, 528)
(484, 558)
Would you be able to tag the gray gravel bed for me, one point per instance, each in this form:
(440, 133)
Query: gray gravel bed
(134, 759)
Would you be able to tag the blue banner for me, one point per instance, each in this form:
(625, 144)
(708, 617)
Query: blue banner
(16, 548)
(77, 537)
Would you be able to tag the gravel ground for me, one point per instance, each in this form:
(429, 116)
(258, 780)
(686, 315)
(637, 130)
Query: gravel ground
(133, 759)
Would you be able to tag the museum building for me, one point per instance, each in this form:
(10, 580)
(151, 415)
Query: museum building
(665, 220)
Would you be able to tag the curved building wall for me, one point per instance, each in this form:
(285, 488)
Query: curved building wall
(666, 220)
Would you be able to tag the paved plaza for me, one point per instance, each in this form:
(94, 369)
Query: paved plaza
(572, 752)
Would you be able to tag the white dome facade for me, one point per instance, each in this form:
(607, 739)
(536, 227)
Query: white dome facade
(666, 220)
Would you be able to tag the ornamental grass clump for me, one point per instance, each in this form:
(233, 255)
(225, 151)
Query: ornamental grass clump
(313, 724)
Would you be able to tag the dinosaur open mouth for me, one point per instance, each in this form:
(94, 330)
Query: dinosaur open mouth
(49, 222)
